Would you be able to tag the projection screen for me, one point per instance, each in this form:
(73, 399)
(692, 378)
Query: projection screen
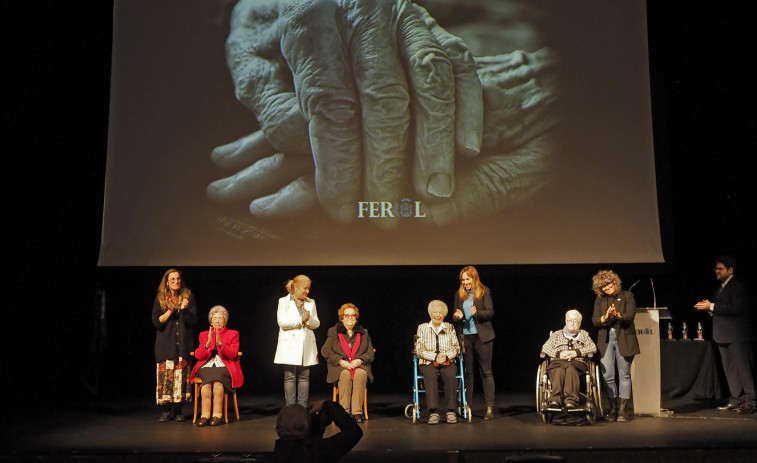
(356, 132)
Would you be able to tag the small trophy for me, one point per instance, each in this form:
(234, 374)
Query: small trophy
(670, 332)
(685, 332)
(700, 337)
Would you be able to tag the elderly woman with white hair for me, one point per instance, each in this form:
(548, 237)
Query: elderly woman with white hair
(218, 365)
(437, 347)
(567, 349)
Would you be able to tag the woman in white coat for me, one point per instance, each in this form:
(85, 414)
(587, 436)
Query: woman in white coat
(296, 350)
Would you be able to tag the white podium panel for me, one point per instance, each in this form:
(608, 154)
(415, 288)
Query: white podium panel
(645, 369)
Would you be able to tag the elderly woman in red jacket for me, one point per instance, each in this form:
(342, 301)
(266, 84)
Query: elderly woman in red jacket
(218, 365)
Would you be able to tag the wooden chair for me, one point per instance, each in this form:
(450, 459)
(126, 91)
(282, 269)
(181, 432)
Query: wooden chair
(335, 395)
(335, 398)
(198, 385)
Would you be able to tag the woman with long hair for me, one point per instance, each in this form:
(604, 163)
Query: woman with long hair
(473, 313)
(174, 314)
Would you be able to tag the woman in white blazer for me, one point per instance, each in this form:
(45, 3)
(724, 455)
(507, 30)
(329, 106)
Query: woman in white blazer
(296, 349)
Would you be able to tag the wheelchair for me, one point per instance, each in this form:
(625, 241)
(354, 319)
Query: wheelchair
(413, 410)
(590, 405)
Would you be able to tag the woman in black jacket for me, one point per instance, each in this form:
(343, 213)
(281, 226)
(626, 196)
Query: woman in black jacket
(174, 314)
(614, 311)
(474, 310)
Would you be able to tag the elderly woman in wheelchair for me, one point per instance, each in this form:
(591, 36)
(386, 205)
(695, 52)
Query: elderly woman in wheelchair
(568, 351)
(437, 347)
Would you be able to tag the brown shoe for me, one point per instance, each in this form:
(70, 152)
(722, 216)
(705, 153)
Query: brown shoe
(202, 422)
(216, 420)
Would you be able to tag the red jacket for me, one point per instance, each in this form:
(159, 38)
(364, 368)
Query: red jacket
(229, 352)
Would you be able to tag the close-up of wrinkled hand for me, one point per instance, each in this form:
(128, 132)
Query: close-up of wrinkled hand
(345, 92)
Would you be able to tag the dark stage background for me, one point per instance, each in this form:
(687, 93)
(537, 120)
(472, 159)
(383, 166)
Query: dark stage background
(57, 86)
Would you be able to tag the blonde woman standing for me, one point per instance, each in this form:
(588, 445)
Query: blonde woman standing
(296, 350)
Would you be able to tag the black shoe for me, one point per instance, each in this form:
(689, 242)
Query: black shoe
(179, 417)
(747, 408)
(729, 406)
(612, 413)
(489, 413)
(554, 404)
(358, 418)
(216, 420)
(165, 416)
(571, 405)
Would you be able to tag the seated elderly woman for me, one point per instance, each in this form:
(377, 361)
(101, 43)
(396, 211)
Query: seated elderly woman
(567, 348)
(218, 365)
(348, 352)
(437, 347)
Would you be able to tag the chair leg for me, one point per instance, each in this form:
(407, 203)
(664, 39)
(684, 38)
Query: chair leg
(197, 399)
(365, 403)
(226, 407)
(236, 405)
(335, 393)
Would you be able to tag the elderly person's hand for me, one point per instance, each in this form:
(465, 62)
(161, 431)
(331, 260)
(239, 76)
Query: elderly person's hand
(342, 78)
(519, 94)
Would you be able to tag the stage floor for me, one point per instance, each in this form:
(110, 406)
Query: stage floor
(100, 430)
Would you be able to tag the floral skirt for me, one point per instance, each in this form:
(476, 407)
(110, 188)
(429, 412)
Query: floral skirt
(173, 382)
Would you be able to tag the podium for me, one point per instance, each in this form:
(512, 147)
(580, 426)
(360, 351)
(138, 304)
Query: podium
(645, 369)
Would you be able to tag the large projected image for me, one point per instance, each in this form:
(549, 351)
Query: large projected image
(293, 132)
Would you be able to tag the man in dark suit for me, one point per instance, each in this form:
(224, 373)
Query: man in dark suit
(731, 331)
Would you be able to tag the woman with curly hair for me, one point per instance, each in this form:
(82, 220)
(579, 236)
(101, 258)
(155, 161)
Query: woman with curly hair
(614, 311)
(174, 314)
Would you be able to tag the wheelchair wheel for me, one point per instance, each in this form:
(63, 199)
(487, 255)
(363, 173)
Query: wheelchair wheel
(411, 411)
(469, 413)
(591, 412)
(597, 391)
(538, 390)
(542, 388)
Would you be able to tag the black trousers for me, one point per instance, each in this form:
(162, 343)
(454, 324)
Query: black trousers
(431, 376)
(482, 353)
(737, 363)
(565, 376)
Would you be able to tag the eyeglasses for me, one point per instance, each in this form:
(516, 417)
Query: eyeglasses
(719, 269)
(351, 315)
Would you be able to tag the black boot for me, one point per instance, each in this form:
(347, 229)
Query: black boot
(489, 413)
(166, 413)
(612, 413)
(623, 414)
(177, 412)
